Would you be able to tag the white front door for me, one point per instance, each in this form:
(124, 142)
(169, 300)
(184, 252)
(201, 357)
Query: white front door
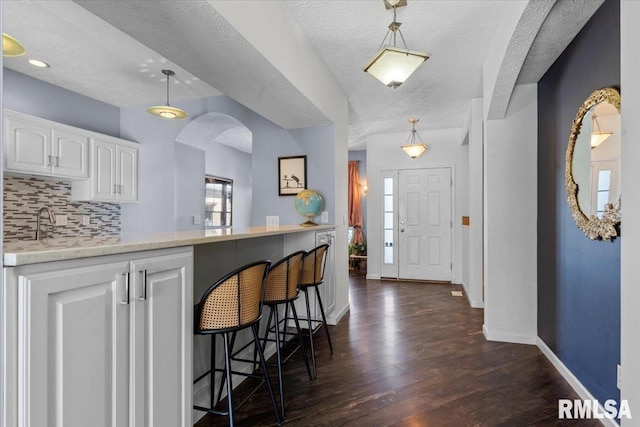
(424, 224)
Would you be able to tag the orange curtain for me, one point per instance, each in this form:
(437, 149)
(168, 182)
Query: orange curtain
(355, 209)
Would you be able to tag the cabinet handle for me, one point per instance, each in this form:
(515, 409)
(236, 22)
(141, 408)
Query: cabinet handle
(57, 161)
(144, 285)
(49, 162)
(126, 288)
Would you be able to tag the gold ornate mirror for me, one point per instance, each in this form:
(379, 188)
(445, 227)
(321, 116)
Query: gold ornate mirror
(592, 165)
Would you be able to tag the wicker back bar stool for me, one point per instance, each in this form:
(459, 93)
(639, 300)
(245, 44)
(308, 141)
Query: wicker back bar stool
(283, 289)
(231, 304)
(313, 267)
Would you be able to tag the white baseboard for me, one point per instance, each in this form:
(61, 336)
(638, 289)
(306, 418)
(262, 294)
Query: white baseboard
(574, 382)
(334, 317)
(472, 303)
(511, 337)
(373, 276)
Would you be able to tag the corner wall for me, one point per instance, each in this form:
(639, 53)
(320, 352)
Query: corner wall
(510, 213)
(578, 279)
(630, 242)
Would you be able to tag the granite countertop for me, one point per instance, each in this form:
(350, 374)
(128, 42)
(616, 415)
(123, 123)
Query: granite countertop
(33, 252)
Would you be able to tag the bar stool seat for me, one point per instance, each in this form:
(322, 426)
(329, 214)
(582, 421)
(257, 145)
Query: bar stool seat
(313, 267)
(232, 304)
(283, 289)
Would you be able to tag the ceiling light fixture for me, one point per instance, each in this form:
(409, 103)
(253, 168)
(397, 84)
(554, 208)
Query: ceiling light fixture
(597, 136)
(11, 46)
(167, 111)
(38, 63)
(393, 65)
(412, 148)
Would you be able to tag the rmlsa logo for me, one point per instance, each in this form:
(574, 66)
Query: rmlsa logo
(576, 409)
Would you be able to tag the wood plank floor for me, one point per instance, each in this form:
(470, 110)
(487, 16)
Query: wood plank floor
(411, 354)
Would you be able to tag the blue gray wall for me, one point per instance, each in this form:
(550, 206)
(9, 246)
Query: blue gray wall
(38, 98)
(226, 162)
(160, 167)
(578, 279)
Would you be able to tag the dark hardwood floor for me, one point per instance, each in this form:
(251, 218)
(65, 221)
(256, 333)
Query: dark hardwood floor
(411, 354)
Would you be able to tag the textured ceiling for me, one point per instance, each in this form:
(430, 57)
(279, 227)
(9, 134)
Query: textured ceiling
(113, 51)
(457, 35)
(216, 127)
(91, 57)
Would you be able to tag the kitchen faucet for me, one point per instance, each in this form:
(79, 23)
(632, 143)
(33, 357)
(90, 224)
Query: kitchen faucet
(39, 233)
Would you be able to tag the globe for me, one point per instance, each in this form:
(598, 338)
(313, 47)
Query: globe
(309, 204)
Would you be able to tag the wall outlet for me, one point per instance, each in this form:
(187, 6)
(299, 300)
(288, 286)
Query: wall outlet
(273, 221)
(61, 220)
(619, 380)
(324, 217)
(197, 220)
(86, 220)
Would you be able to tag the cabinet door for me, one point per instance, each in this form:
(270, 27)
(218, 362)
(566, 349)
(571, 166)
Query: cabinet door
(104, 170)
(162, 313)
(27, 147)
(127, 174)
(71, 152)
(73, 351)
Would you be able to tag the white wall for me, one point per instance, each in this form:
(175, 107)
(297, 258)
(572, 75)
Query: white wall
(474, 288)
(510, 215)
(630, 238)
(384, 153)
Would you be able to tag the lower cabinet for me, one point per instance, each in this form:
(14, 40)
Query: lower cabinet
(107, 344)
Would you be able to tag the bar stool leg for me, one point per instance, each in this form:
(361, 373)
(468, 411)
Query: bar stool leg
(227, 367)
(302, 349)
(263, 364)
(324, 319)
(212, 386)
(279, 358)
(313, 352)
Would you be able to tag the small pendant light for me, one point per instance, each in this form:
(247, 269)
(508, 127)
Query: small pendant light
(412, 148)
(167, 111)
(11, 46)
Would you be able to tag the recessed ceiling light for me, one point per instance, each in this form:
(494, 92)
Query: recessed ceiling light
(38, 63)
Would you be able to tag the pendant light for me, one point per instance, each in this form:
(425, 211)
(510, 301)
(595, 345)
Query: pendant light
(11, 46)
(598, 136)
(393, 65)
(167, 111)
(412, 148)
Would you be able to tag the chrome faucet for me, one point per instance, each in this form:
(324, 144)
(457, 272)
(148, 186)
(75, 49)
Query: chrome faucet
(39, 233)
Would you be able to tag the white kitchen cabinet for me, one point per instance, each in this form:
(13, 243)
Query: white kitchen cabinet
(37, 146)
(106, 341)
(114, 173)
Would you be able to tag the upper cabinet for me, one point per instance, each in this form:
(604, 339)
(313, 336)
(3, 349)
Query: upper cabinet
(41, 147)
(114, 173)
(103, 168)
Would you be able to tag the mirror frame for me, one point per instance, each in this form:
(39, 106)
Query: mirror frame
(604, 228)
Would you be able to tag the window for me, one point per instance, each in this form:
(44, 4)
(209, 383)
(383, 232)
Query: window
(217, 202)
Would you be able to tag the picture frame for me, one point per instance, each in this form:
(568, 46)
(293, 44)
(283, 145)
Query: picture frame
(292, 175)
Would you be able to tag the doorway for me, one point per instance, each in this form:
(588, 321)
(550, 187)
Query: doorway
(417, 215)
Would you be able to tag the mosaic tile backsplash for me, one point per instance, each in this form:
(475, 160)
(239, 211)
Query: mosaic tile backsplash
(24, 195)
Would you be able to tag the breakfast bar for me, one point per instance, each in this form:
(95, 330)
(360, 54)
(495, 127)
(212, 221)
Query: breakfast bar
(107, 323)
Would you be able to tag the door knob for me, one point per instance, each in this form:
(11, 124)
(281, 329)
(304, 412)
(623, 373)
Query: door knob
(402, 230)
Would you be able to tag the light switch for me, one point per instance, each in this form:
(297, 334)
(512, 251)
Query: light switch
(61, 220)
(197, 220)
(273, 221)
(324, 217)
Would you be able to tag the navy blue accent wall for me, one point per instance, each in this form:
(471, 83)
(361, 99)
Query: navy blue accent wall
(578, 279)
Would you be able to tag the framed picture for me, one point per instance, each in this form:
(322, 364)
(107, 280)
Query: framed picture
(292, 175)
